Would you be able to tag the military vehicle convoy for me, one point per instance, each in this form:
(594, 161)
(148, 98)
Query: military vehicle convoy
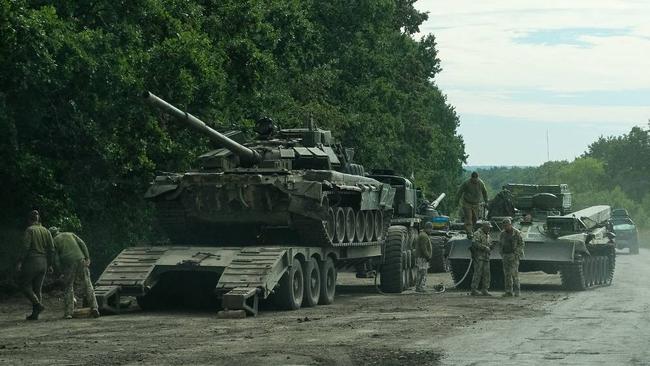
(577, 245)
(274, 218)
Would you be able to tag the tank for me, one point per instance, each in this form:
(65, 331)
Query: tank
(285, 187)
(579, 245)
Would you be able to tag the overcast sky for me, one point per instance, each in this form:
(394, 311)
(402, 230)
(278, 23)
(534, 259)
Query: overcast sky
(517, 69)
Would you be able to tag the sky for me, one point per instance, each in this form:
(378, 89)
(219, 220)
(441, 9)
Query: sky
(518, 70)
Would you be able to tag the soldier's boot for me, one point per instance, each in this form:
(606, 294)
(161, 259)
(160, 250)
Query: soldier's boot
(94, 313)
(517, 289)
(36, 310)
(474, 292)
(485, 293)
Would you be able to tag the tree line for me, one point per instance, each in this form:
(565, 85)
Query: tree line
(78, 143)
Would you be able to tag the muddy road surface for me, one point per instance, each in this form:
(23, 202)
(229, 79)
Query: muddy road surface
(607, 325)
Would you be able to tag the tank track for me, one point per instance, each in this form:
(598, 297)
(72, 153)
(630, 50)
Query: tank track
(438, 262)
(589, 271)
(313, 232)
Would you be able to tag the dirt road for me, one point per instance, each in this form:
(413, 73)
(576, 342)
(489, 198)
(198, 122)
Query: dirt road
(607, 325)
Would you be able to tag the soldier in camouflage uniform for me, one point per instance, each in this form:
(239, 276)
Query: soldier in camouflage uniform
(512, 249)
(39, 252)
(471, 192)
(423, 252)
(74, 261)
(481, 248)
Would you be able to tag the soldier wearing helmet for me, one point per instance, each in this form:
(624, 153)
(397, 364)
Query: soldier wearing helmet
(481, 249)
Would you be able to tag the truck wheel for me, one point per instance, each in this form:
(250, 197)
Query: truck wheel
(327, 282)
(312, 283)
(290, 293)
(438, 262)
(392, 278)
(634, 247)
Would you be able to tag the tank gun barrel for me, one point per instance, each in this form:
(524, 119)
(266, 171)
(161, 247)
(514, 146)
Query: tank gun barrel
(247, 156)
(435, 203)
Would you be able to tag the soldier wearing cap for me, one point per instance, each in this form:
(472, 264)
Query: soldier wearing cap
(36, 262)
(512, 249)
(74, 261)
(423, 252)
(481, 248)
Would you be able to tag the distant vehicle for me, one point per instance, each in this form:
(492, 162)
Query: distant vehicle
(627, 235)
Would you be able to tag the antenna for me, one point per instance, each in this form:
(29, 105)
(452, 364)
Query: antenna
(548, 152)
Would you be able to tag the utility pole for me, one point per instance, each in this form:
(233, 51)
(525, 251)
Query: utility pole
(548, 152)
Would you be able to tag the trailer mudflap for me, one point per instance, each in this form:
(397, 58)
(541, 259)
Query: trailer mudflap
(558, 251)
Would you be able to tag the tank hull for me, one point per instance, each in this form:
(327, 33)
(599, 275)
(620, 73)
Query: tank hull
(248, 208)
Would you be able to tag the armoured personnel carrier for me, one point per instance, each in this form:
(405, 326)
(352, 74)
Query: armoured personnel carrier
(274, 217)
(578, 245)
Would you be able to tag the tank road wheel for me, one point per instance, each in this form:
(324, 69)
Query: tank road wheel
(392, 269)
(379, 225)
(311, 271)
(360, 226)
(370, 225)
(589, 276)
(350, 219)
(327, 282)
(339, 230)
(603, 270)
(330, 224)
(289, 295)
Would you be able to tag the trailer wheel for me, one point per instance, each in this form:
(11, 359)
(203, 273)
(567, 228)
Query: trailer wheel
(292, 288)
(392, 269)
(328, 282)
(313, 283)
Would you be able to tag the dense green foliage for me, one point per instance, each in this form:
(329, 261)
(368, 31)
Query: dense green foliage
(613, 171)
(78, 143)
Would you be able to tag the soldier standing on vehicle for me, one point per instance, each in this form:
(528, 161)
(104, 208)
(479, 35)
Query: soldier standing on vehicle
(39, 251)
(423, 253)
(470, 193)
(512, 249)
(481, 248)
(74, 261)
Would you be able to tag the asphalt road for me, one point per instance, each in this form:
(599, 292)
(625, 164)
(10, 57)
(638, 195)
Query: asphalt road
(602, 326)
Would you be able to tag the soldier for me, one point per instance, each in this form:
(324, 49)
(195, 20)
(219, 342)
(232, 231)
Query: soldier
(423, 256)
(74, 261)
(512, 249)
(39, 251)
(481, 248)
(471, 192)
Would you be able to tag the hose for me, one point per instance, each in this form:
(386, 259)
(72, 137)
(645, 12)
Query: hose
(439, 289)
